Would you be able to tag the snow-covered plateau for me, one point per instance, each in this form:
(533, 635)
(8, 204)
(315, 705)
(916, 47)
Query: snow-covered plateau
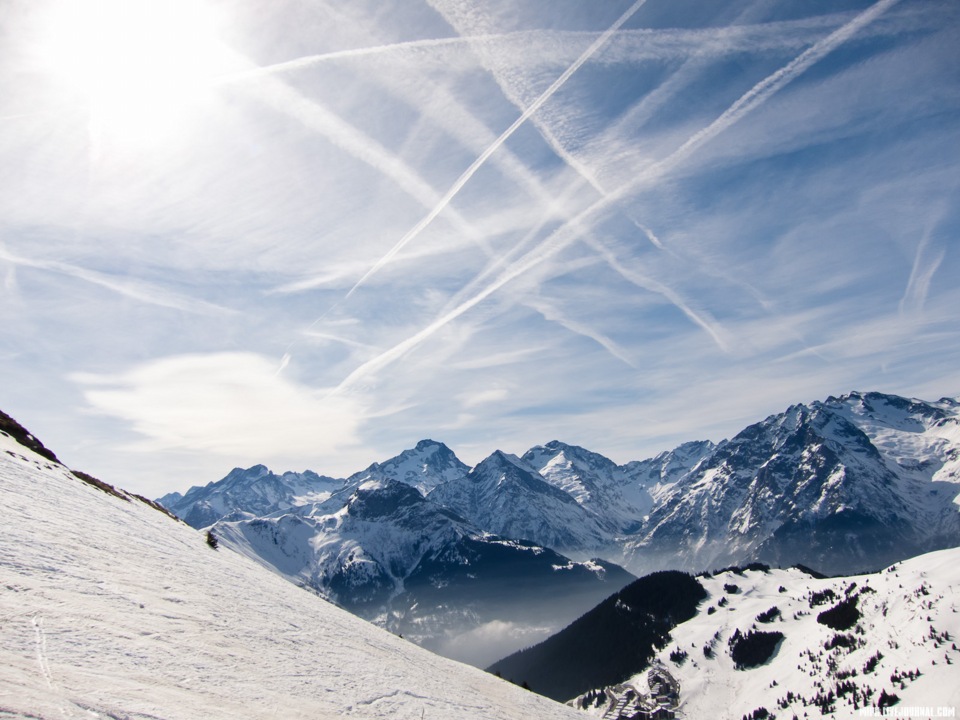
(111, 609)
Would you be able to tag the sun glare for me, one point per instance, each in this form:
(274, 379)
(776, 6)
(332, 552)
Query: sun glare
(139, 65)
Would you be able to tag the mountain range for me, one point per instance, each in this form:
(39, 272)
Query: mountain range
(846, 485)
(112, 609)
(784, 490)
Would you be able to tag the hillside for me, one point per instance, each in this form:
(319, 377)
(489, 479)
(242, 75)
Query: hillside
(112, 609)
(845, 641)
(607, 644)
(782, 643)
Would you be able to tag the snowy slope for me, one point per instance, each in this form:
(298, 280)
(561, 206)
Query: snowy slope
(910, 616)
(655, 477)
(110, 609)
(386, 553)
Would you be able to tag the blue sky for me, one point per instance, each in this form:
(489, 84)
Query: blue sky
(311, 233)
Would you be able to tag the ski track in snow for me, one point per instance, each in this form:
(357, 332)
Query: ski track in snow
(109, 609)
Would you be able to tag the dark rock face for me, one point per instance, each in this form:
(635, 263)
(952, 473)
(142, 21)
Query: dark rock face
(19, 433)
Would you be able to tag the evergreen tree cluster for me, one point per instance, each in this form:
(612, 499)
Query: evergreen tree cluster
(754, 648)
(768, 616)
(842, 616)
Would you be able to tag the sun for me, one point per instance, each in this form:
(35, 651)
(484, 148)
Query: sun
(140, 66)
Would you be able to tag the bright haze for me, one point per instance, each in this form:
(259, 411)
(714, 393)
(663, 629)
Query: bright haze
(309, 234)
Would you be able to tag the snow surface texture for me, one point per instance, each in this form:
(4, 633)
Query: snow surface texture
(910, 615)
(110, 609)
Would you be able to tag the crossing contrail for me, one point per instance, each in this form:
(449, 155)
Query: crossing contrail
(313, 115)
(576, 227)
(759, 93)
(492, 148)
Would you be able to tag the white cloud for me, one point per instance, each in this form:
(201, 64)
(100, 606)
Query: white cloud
(232, 404)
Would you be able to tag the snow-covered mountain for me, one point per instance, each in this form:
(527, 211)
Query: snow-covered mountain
(618, 498)
(848, 484)
(254, 491)
(424, 467)
(780, 642)
(386, 553)
(655, 477)
(111, 609)
(845, 485)
(507, 496)
(257, 491)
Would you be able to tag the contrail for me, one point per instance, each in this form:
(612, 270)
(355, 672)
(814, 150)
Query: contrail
(285, 100)
(142, 291)
(492, 148)
(552, 314)
(518, 248)
(759, 93)
(549, 247)
(707, 323)
(574, 229)
(915, 294)
(311, 60)
(744, 105)
(340, 339)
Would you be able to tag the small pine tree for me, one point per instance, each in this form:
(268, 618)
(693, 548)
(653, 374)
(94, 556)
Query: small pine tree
(212, 540)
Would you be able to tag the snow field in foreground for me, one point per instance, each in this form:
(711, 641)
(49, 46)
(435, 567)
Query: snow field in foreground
(109, 609)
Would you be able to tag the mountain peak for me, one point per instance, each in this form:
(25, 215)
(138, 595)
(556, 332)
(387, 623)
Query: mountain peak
(428, 444)
(252, 472)
(428, 464)
(500, 460)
